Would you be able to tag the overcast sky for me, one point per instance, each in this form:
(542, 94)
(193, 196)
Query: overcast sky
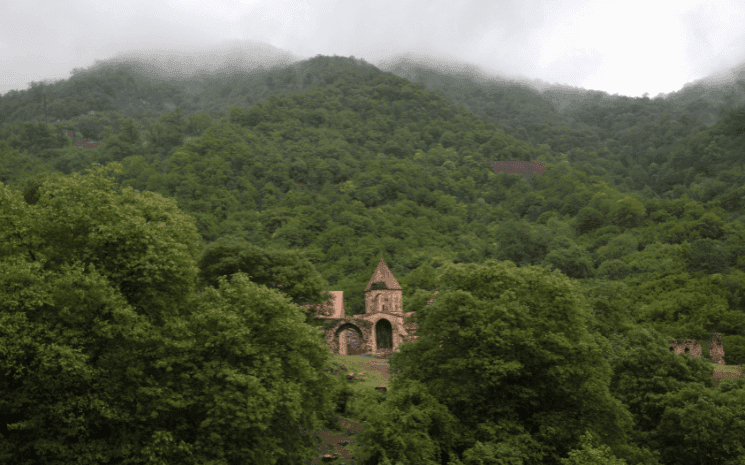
(627, 47)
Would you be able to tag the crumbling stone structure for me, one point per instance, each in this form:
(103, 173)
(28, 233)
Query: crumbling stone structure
(526, 168)
(693, 348)
(382, 328)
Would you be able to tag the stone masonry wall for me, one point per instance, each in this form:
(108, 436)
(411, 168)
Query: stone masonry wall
(716, 350)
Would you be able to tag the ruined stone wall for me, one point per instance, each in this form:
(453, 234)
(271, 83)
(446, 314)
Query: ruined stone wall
(353, 342)
(526, 168)
(383, 301)
(334, 328)
(716, 350)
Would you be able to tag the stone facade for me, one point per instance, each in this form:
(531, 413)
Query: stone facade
(526, 168)
(693, 348)
(382, 328)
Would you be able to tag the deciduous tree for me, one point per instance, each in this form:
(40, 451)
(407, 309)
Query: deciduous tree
(111, 357)
(508, 353)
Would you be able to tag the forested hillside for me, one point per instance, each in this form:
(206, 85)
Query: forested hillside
(333, 162)
(363, 162)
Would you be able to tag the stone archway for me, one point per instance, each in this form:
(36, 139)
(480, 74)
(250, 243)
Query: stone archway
(351, 340)
(383, 336)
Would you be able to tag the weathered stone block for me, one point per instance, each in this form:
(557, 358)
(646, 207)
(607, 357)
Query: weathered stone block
(693, 348)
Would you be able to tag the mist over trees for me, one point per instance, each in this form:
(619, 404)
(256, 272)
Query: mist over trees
(152, 282)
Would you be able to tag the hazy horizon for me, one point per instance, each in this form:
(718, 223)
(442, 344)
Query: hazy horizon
(629, 48)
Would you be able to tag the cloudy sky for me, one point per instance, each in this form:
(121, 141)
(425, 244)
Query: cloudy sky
(627, 47)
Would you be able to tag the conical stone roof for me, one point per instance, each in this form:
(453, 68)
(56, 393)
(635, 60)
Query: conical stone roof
(383, 275)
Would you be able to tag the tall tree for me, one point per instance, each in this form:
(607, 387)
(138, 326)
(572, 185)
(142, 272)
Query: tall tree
(677, 411)
(109, 356)
(510, 374)
(288, 271)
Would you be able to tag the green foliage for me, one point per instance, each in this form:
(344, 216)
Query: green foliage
(411, 427)
(198, 123)
(655, 384)
(573, 262)
(590, 455)
(90, 128)
(706, 256)
(519, 336)
(618, 247)
(734, 349)
(588, 219)
(645, 374)
(702, 425)
(627, 212)
(288, 271)
(517, 242)
(333, 162)
(614, 269)
(110, 354)
(611, 308)
(26, 137)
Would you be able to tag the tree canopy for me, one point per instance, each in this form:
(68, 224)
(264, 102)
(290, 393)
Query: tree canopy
(111, 357)
(293, 181)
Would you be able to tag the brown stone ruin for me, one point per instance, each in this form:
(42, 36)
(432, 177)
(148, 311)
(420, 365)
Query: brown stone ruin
(526, 168)
(693, 348)
(382, 328)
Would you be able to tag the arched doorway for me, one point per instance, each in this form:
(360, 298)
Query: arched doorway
(384, 336)
(350, 340)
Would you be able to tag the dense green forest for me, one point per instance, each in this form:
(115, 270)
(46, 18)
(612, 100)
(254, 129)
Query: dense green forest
(326, 164)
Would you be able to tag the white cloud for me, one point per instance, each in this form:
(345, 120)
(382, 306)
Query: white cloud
(628, 47)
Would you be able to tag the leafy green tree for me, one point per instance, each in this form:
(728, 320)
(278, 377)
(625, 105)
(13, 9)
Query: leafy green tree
(90, 128)
(110, 356)
(618, 247)
(517, 242)
(614, 269)
(574, 202)
(29, 138)
(590, 455)
(734, 349)
(573, 261)
(15, 166)
(198, 123)
(73, 160)
(423, 429)
(628, 212)
(162, 138)
(655, 383)
(285, 270)
(116, 149)
(174, 118)
(706, 256)
(128, 132)
(588, 219)
(701, 425)
(536, 374)
(678, 303)
(611, 307)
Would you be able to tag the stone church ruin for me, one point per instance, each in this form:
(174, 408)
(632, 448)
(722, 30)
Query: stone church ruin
(382, 328)
(526, 168)
(693, 348)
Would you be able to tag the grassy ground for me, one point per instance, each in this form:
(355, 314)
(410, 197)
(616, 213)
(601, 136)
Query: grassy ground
(363, 375)
(724, 371)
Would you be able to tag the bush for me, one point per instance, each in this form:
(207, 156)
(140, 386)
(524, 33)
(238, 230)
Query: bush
(590, 455)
